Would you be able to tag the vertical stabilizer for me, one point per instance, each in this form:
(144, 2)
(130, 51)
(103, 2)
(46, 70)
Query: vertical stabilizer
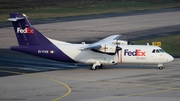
(26, 34)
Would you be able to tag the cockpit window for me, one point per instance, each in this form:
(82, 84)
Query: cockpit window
(153, 51)
(161, 50)
(158, 51)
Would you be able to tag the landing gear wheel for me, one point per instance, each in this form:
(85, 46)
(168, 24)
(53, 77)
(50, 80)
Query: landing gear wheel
(101, 66)
(94, 67)
(161, 67)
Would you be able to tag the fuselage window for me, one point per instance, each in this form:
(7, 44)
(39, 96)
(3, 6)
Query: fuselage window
(153, 51)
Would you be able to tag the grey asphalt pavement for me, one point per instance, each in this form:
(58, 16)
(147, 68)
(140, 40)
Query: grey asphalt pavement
(29, 78)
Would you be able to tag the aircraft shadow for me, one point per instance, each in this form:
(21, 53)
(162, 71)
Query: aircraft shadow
(25, 63)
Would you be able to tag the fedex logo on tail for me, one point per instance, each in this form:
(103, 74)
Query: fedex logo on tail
(136, 52)
(25, 31)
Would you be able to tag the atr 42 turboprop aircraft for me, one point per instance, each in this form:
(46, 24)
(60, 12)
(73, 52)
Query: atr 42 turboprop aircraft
(108, 51)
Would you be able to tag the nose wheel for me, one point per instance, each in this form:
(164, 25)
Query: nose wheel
(101, 66)
(160, 66)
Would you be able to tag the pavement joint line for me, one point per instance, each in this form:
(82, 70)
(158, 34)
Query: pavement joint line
(115, 23)
(45, 77)
(137, 94)
(77, 30)
(13, 72)
(145, 85)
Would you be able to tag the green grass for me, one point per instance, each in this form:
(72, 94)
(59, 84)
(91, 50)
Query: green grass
(169, 43)
(36, 9)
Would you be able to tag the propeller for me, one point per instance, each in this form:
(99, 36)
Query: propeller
(129, 40)
(117, 51)
(117, 47)
(105, 47)
(117, 42)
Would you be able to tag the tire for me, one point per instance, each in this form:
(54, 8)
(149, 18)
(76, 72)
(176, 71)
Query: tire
(101, 66)
(94, 68)
(161, 67)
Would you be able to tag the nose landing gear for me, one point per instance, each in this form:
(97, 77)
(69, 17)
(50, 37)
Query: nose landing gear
(160, 66)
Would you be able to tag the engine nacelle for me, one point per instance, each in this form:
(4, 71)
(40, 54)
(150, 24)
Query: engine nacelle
(120, 42)
(108, 49)
(102, 61)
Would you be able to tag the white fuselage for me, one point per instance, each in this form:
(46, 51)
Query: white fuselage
(140, 54)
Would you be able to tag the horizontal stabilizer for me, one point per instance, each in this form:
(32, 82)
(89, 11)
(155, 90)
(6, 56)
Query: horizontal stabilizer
(16, 19)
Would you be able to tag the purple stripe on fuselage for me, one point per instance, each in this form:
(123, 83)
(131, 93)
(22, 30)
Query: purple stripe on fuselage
(46, 51)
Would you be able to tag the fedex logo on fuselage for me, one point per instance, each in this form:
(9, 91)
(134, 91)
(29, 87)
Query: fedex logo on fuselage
(136, 52)
(26, 30)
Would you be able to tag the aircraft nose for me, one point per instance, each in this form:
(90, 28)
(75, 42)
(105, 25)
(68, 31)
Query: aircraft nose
(170, 58)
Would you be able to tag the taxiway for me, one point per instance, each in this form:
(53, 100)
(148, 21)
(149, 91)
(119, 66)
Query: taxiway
(29, 78)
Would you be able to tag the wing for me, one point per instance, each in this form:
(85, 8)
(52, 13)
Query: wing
(106, 41)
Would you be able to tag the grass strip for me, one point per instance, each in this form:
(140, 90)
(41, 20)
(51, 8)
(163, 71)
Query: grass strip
(55, 10)
(169, 43)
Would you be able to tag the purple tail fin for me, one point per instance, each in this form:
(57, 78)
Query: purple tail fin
(26, 34)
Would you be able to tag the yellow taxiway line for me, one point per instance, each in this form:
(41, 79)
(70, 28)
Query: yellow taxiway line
(48, 78)
(101, 99)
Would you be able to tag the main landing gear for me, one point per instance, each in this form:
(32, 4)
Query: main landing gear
(96, 66)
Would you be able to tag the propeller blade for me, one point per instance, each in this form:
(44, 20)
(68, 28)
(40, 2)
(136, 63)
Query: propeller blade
(129, 40)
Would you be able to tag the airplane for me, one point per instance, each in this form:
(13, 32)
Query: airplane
(108, 51)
